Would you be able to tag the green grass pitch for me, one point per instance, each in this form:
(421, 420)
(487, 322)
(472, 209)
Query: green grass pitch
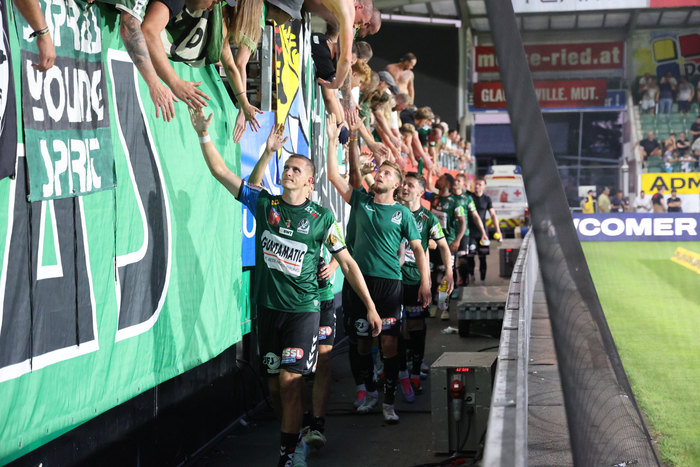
(653, 308)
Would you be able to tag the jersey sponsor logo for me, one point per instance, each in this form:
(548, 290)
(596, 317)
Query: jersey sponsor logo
(283, 254)
(396, 218)
(272, 361)
(312, 211)
(274, 218)
(362, 326)
(287, 232)
(387, 323)
(409, 257)
(324, 332)
(292, 354)
(413, 311)
(303, 227)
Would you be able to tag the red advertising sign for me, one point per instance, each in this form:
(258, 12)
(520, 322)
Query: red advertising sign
(560, 57)
(550, 94)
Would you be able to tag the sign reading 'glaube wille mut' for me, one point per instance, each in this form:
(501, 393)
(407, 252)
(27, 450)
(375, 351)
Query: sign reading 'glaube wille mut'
(559, 57)
(559, 94)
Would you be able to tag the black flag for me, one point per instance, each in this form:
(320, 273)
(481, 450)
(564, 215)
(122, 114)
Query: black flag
(8, 107)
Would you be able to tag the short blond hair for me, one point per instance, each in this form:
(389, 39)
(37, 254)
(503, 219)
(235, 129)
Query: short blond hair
(396, 168)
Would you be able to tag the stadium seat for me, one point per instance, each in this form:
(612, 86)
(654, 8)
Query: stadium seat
(678, 166)
(694, 107)
(674, 108)
(647, 127)
(654, 165)
(647, 119)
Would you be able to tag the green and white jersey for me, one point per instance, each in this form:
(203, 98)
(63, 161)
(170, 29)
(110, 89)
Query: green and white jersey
(379, 231)
(467, 204)
(446, 209)
(287, 248)
(326, 293)
(428, 227)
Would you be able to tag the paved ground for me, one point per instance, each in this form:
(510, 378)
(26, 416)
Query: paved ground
(355, 440)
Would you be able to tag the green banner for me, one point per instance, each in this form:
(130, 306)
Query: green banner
(127, 288)
(66, 112)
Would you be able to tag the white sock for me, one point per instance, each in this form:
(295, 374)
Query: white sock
(361, 387)
(403, 374)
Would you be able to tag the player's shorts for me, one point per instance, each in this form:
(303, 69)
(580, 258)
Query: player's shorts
(345, 299)
(136, 8)
(463, 246)
(411, 307)
(326, 325)
(475, 248)
(387, 295)
(287, 340)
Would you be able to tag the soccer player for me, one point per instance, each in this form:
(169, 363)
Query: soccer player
(483, 205)
(381, 226)
(290, 232)
(412, 190)
(475, 227)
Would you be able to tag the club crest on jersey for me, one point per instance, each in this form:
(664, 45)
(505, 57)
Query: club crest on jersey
(275, 202)
(324, 332)
(303, 227)
(272, 361)
(291, 355)
(274, 218)
(387, 323)
(420, 226)
(361, 326)
(445, 206)
(396, 218)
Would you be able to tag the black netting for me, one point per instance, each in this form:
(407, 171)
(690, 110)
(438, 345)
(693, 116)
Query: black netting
(605, 423)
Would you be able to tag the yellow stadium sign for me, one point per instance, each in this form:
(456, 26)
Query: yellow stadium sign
(683, 183)
(687, 259)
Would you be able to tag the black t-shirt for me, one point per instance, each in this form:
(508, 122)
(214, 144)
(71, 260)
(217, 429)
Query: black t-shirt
(671, 199)
(616, 205)
(407, 115)
(175, 6)
(681, 145)
(649, 146)
(483, 204)
(695, 127)
(321, 53)
(657, 198)
(665, 90)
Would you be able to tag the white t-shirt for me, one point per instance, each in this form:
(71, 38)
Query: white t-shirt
(356, 94)
(650, 93)
(685, 90)
(642, 205)
(395, 120)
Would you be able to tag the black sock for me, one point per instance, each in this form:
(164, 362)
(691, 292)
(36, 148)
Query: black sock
(355, 365)
(367, 371)
(482, 267)
(318, 424)
(288, 446)
(401, 353)
(306, 419)
(471, 264)
(418, 344)
(391, 378)
(464, 272)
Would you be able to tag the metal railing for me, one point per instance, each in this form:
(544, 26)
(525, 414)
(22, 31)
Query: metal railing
(506, 439)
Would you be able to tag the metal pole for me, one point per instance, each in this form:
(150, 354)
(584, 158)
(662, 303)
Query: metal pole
(580, 145)
(266, 69)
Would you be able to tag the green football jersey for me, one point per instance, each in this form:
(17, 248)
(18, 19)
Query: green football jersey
(326, 293)
(288, 244)
(467, 204)
(428, 227)
(379, 231)
(446, 209)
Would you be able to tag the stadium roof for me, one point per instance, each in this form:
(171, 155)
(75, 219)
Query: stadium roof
(634, 14)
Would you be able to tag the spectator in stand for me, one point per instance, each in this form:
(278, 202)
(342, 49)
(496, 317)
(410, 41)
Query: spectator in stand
(650, 147)
(616, 204)
(364, 51)
(667, 91)
(435, 144)
(695, 129)
(604, 200)
(670, 156)
(642, 203)
(587, 203)
(650, 96)
(644, 82)
(686, 92)
(403, 74)
(373, 26)
(407, 132)
(695, 148)
(682, 144)
(657, 201)
(687, 162)
(674, 202)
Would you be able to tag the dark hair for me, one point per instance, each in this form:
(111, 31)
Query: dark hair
(418, 177)
(308, 161)
(408, 57)
(437, 126)
(462, 175)
(364, 50)
(450, 180)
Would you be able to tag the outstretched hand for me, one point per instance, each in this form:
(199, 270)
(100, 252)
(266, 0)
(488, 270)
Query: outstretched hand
(199, 122)
(163, 99)
(275, 140)
(250, 111)
(332, 129)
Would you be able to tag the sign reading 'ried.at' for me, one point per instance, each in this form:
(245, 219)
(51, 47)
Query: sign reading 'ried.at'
(559, 57)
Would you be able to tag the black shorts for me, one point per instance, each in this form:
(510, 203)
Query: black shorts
(475, 248)
(387, 295)
(463, 246)
(326, 325)
(411, 306)
(436, 260)
(288, 341)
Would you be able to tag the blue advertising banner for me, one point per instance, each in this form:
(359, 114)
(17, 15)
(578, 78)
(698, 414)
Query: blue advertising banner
(637, 227)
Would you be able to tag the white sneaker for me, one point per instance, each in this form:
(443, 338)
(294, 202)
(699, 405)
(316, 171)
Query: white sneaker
(390, 416)
(371, 399)
(483, 282)
(472, 280)
(433, 311)
(424, 368)
(361, 391)
(314, 439)
(445, 315)
(300, 455)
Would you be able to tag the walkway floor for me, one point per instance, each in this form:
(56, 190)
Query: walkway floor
(548, 433)
(355, 440)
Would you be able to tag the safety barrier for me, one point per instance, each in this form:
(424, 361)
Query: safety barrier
(506, 439)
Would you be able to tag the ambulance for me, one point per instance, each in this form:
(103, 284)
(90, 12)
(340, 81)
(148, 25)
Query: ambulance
(504, 184)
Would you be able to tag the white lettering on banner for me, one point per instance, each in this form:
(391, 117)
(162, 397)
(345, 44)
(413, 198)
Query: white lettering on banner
(83, 165)
(686, 225)
(283, 254)
(641, 228)
(631, 227)
(663, 226)
(494, 95)
(612, 227)
(64, 15)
